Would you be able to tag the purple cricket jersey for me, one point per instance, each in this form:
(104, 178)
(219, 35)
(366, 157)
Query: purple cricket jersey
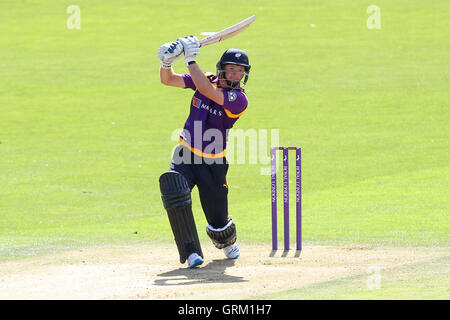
(206, 128)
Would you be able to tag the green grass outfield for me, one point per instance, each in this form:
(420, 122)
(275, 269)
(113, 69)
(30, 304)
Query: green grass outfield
(85, 125)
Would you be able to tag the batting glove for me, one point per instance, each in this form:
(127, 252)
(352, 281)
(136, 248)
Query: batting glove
(191, 47)
(169, 52)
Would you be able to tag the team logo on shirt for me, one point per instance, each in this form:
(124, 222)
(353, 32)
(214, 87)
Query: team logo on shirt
(232, 96)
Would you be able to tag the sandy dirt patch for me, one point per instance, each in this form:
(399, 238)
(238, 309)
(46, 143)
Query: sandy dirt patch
(154, 272)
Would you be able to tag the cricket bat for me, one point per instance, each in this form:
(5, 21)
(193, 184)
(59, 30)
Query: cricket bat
(227, 33)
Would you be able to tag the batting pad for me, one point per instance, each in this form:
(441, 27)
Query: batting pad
(176, 197)
(222, 237)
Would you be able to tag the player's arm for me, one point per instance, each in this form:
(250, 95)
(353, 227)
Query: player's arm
(168, 53)
(203, 84)
(170, 78)
(191, 47)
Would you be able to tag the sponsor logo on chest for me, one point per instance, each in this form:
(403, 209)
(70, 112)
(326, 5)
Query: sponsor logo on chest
(197, 103)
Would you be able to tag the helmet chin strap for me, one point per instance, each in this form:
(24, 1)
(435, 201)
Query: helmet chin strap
(232, 84)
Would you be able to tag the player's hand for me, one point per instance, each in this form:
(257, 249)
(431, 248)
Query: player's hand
(169, 52)
(191, 47)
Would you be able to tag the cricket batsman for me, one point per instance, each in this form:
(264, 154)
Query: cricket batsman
(199, 159)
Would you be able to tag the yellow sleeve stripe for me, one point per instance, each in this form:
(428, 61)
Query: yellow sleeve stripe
(232, 115)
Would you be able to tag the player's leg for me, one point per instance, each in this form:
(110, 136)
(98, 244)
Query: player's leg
(182, 161)
(225, 238)
(176, 186)
(213, 190)
(176, 197)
